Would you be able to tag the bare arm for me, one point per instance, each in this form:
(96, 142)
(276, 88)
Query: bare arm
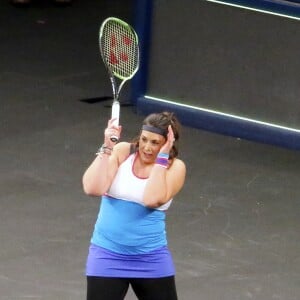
(163, 184)
(99, 175)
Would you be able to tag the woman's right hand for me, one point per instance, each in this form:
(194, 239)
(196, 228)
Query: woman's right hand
(111, 130)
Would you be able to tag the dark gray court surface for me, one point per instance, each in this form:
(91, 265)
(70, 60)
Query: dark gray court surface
(234, 229)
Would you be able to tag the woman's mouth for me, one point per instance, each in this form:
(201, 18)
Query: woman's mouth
(147, 155)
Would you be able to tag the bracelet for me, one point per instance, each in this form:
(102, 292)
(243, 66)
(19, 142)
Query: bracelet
(162, 160)
(104, 150)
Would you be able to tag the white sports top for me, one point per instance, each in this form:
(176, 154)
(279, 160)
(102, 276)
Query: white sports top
(127, 186)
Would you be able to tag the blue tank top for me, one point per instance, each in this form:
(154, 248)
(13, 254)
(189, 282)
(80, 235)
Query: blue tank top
(126, 226)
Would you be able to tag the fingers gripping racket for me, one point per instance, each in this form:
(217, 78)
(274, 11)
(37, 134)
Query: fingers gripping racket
(120, 53)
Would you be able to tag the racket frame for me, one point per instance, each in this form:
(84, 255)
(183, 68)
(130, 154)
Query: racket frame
(116, 89)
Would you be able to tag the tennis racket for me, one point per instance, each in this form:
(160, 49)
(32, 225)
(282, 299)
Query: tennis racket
(119, 50)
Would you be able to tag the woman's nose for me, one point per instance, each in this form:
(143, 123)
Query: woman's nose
(148, 146)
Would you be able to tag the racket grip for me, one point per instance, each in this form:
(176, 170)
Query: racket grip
(115, 113)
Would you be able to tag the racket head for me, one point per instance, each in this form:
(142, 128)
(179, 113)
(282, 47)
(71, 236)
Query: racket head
(119, 48)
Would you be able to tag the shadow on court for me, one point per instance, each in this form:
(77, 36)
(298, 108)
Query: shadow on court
(233, 230)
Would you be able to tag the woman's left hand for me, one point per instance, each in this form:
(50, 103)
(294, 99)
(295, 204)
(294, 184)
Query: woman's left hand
(169, 142)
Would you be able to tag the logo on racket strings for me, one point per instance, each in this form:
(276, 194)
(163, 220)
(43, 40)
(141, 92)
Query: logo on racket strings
(119, 48)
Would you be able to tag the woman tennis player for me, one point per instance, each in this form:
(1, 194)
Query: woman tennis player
(137, 182)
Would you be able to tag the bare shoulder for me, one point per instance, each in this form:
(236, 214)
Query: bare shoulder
(178, 165)
(178, 162)
(121, 151)
(176, 176)
(122, 146)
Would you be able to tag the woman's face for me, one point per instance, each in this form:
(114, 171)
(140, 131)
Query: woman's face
(149, 145)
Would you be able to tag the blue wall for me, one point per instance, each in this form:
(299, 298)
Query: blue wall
(201, 118)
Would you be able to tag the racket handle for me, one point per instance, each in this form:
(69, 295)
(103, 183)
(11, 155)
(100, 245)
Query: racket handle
(115, 113)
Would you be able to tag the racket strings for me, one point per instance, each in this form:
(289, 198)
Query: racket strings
(120, 48)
